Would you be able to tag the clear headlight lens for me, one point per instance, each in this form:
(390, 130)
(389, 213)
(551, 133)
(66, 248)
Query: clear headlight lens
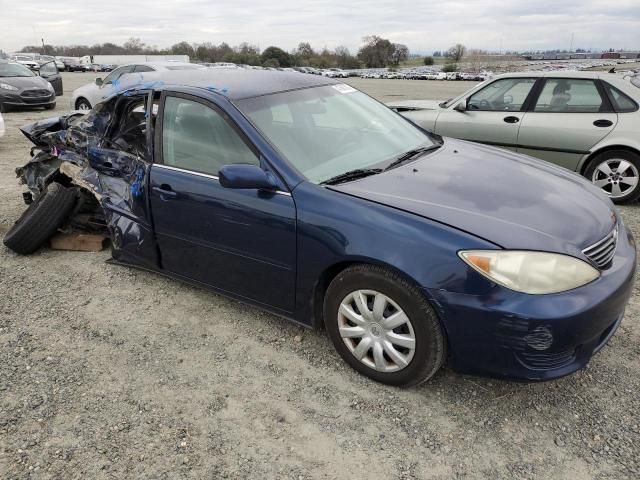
(6, 86)
(531, 272)
(50, 87)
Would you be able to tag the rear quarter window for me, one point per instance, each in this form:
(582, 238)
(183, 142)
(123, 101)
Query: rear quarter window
(621, 102)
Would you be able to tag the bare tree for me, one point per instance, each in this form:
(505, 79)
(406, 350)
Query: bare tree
(456, 52)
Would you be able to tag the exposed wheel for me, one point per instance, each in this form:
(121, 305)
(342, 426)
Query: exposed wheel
(83, 104)
(41, 219)
(383, 327)
(617, 174)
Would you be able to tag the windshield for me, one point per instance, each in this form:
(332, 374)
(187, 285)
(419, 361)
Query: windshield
(15, 70)
(328, 131)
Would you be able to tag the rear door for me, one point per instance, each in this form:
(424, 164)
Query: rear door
(240, 241)
(569, 116)
(493, 113)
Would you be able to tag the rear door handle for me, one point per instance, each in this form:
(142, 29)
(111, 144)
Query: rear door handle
(165, 191)
(603, 123)
(511, 119)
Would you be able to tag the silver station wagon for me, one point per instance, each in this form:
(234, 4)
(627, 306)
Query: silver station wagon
(587, 122)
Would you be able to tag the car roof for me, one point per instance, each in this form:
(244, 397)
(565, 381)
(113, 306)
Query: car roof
(235, 84)
(559, 74)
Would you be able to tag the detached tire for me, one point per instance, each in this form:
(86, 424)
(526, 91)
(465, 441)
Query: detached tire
(383, 326)
(41, 219)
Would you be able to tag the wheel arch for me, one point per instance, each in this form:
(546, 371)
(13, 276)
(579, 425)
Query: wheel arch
(607, 148)
(77, 99)
(333, 270)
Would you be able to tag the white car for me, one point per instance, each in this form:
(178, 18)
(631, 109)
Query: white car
(1, 126)
(87, 96)
(26, 60)
(587, 122)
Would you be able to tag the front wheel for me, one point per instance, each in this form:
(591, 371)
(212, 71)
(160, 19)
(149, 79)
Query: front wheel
(616, 173)
(383, 327)
(83, 104)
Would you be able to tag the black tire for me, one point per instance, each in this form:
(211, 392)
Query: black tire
(430, 343)
(82, 101)
(3, 108)
(629, 195)
(41, 219)
(51, 106)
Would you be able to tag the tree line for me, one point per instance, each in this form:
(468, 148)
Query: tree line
(376, 52)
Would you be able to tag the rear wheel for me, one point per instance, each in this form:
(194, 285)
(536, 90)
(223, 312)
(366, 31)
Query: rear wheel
(617, 174)
(3, 108)
(51, 106)
(383, 327)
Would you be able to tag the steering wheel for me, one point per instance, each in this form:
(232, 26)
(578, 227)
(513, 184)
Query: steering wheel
(484, 105)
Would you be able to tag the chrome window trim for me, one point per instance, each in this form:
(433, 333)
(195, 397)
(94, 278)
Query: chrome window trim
(205, 175)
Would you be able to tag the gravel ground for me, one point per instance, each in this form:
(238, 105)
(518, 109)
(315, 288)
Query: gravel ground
(113, 373)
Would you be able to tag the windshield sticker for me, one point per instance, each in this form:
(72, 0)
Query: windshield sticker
(344, 88)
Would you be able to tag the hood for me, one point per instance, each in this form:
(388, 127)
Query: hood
(405, 105)
(511, 200)
(24, 83)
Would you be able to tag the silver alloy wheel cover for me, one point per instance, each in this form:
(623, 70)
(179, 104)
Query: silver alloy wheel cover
(83, 106)
(371, 333)
(618, 174)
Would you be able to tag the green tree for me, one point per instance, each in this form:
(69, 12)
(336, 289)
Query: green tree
(399, 54)
(428, 60)
(275, 53)
(183, 48)
(376, 52)
(450, 67)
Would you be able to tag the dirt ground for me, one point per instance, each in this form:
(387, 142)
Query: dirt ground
(112, 373)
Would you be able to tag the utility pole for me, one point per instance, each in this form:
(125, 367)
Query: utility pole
(44, 52)
(571, 46)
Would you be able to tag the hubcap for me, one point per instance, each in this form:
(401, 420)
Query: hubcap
(616, 177)
(83, 106)
(376, 330)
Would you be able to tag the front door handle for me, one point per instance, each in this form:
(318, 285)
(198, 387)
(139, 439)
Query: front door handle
(165, 191)
(511, 119)
(603, 123)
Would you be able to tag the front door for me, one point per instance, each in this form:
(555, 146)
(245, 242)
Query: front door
(50, 73)
(570, 116)
(240, 241)
(492, 116)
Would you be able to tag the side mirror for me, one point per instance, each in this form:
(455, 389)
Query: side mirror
(99, 81)
(246, 176)
(461, 107)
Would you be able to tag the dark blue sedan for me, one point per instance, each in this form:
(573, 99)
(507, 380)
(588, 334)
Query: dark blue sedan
(311, 200)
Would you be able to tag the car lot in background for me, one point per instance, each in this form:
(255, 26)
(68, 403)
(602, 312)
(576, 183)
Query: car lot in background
(584, 121)
(85, 97)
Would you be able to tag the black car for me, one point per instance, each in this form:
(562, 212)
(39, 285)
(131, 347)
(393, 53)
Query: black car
(74, 66)
(20, 87)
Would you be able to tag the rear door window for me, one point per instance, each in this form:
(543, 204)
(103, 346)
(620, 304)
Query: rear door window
(569, 95)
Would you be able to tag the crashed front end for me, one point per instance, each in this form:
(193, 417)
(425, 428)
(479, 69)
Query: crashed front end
(107, 167)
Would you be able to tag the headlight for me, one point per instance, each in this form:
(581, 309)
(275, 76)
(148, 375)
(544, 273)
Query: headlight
(531, 272)
(6, 86)
(50, 87)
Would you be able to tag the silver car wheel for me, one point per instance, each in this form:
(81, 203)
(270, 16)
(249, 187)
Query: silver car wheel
(376, 330)
(83, 106)
(616, 177)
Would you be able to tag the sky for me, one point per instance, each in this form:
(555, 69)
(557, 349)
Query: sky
(424, 26)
